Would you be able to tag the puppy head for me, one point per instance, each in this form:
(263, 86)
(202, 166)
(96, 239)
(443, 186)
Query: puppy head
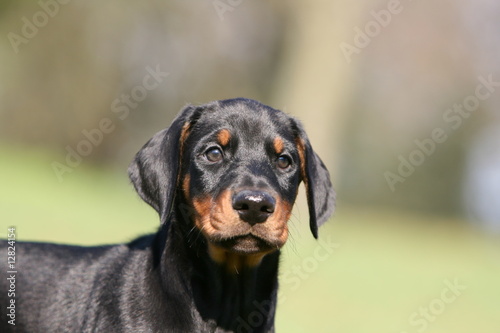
(238, 164)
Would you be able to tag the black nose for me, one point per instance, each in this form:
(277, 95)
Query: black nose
(253, 206)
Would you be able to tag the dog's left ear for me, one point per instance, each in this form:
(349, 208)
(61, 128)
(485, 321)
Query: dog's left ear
(155, 168)
(319, 189)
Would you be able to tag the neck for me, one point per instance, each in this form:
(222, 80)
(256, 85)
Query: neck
(235, 293)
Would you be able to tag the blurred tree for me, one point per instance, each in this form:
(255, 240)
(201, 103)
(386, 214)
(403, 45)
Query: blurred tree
(314, 78)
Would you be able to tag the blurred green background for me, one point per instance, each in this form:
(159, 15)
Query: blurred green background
(414, 245)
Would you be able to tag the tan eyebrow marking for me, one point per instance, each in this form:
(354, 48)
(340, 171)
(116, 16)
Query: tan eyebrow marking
(223, 137)
(279, 145)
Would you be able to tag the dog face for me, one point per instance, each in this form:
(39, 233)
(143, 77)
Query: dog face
(241, 172)
(238, 164)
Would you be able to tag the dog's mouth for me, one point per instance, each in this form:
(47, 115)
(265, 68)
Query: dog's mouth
(246, 244)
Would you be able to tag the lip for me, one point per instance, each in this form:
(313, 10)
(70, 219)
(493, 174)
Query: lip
(246, 244)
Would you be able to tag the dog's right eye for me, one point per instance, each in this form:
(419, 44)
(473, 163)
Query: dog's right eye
(213, 154)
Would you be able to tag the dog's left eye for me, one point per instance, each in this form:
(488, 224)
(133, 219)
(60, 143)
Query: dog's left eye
(283, 162)
(214, 154)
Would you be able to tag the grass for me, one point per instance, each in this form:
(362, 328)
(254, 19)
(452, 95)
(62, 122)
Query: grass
(371, 272)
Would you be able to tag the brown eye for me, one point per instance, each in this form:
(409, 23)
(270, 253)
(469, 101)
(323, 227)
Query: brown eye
(214, 155)
(283, 162)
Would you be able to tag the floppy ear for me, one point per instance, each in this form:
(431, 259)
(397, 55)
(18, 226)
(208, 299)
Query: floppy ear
(155, 168)
(319, 190)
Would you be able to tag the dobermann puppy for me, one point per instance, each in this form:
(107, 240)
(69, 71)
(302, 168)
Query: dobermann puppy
(223, 179)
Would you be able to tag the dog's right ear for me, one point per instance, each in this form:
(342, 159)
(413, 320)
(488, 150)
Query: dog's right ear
(155, 168)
